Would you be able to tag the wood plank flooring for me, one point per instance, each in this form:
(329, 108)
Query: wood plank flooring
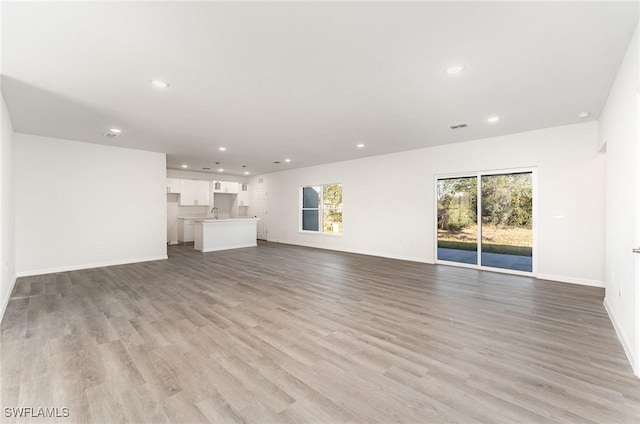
(285, 334)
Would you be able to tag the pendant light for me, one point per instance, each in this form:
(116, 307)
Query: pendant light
(217, 185)
(244, 183)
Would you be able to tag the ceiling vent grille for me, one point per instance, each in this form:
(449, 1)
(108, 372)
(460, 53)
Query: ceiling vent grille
(456, 126)
(110, 134)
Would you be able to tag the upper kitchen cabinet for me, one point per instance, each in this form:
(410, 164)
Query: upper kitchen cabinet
(173, 185)
(229, 187)
(243, 197)
(194, 193)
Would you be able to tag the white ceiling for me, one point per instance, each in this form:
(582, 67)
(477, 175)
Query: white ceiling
(306, 81)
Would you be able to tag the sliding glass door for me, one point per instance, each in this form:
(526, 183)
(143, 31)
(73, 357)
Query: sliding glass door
(503, 236)
(458, 220)
(507, 221)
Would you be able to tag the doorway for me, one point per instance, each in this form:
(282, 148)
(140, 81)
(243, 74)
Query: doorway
(486, 220)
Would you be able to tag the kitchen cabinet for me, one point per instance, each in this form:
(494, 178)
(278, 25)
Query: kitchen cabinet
(243, 197)
(173, 185)
(194, 193)
(185, 230)
(229, 187)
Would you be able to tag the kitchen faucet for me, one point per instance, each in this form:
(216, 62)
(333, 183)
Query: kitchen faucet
(214, 211)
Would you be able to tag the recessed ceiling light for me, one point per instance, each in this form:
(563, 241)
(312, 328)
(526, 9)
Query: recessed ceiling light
(220, 170)
(115, 130)
(222, 149)
(185, 166)
(361, 145)
(287, 160)
(246, 172)
(452, 70)
(584, 114)
(493, 119)
(159, 84)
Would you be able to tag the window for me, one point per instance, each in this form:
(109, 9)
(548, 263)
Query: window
(322, 208)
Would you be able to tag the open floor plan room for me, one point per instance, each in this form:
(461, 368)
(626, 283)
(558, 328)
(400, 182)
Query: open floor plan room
(323, 212)
(280, 333)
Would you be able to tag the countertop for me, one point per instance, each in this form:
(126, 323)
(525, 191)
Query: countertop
(209, 220)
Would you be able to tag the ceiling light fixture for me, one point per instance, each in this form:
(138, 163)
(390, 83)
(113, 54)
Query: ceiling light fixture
(115, 130)
(360, 146)
(245, 187)
(185, 166)
(159, 84)
(287, 160)
(222, 149)
(493, 119)
(217, 185)
(584, 114)
(453, 70)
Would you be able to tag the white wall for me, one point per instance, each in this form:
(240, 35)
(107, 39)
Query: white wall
(7, 244)
(81, 205)
(388, 201)
(619, 129)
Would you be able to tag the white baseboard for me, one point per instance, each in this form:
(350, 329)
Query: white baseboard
(7, 296)
(359, 252)
(88, 266)
(571, 280)
(624, 341)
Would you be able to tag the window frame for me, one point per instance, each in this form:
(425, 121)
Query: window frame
(320, 209)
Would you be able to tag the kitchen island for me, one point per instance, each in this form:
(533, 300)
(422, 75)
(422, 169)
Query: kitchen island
(212, 234)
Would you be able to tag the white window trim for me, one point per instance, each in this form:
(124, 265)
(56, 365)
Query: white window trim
(320, 210)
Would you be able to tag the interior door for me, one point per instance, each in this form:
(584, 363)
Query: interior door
(260, 211)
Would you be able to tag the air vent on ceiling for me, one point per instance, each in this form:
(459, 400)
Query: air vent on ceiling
(206, 169)
(456, 126)
(276, 162)
(110, 134)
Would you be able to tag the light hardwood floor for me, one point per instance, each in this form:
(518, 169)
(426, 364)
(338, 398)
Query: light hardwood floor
(287, 334)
